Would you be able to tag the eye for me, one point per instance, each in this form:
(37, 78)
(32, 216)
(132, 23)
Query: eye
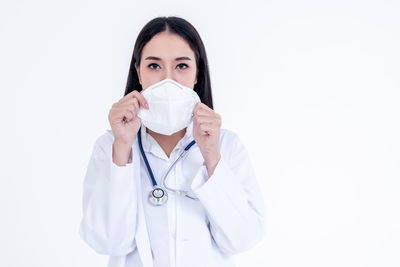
(154, 66)
(182, 66)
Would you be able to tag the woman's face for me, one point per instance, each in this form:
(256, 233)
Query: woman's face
(167, 55)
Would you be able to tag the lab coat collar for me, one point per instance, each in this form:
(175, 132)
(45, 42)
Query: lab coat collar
(151, 145)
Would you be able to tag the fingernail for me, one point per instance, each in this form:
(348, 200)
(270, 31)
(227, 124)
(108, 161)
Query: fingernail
(146, 106)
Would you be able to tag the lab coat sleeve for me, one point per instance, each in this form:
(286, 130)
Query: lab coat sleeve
(232, 199)
(109, 202)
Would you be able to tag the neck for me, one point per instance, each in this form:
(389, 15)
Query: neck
(167, 142)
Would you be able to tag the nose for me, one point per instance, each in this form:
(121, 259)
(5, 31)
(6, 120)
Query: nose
(168, 73)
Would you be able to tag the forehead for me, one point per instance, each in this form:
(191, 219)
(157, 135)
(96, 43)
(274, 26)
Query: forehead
(167, 45)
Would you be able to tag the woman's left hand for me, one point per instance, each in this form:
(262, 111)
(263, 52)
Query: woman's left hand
(206, 131)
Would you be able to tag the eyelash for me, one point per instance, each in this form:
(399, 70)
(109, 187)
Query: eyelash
(181, 64)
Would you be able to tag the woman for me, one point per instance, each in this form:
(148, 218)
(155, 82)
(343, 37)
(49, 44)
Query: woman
(130, 209)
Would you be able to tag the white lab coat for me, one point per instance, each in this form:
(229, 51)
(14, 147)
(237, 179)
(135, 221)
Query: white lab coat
(229, 217)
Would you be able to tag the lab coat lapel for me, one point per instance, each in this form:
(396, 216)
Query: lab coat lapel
(142, 238)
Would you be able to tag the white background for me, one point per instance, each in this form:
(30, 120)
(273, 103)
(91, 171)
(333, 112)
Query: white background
(311, 87)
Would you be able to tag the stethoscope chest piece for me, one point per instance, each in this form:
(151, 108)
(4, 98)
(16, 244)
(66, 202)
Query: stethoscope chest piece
(158, 196)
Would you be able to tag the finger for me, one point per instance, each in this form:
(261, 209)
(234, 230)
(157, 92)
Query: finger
(213, 122)
(135, 95)
(132, 104)
(129, 116)
(202, 111)
(127, 97)
(200, 105)
(120, 114)
(132, 108)
(204, 119)
(208, 129)
(141, 99)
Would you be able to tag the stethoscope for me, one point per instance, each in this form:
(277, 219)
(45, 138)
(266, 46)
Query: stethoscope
(157, 195)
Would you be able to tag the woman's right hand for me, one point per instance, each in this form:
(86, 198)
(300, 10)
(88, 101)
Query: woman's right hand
(123, 118)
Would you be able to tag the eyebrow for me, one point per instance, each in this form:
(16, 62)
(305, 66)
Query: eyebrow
(176, 59)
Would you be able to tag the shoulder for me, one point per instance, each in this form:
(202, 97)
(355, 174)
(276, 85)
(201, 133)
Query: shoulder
(227, 135)
(233, 150)
(229, 141)
(106, 137)
(104, 141)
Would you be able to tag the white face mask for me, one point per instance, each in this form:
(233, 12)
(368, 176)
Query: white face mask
(170, 107)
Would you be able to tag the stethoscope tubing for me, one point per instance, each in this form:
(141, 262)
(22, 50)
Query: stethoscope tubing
(153, 180)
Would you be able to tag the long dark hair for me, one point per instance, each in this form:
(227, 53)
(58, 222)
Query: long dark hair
(184, 29)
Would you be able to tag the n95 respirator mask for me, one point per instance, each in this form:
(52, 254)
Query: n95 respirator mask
(171, 107)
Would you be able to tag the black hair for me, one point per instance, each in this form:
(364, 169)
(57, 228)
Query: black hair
(185, 30)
